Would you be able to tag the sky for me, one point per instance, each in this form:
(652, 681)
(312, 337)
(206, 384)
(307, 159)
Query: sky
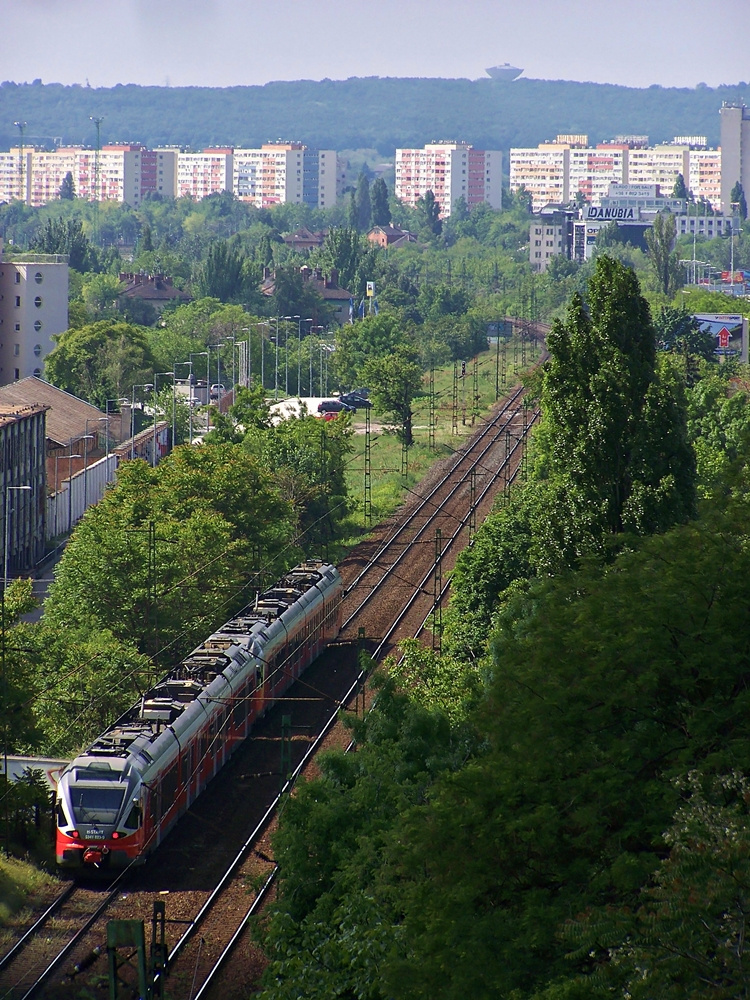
(220, 43)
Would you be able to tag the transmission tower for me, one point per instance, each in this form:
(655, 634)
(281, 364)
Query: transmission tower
(21, 126)
(97, 120)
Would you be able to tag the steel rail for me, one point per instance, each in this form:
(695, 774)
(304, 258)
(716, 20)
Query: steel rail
(36, 927)
(70, 945)
(387, 571)
(458, 457)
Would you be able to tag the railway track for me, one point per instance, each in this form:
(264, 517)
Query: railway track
(387, 593)
(38, 957)
(397, 572)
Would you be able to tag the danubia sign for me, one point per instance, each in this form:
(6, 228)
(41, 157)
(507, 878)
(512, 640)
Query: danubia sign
(615, 214)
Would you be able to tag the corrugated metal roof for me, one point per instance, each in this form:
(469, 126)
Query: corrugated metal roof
(66, 414)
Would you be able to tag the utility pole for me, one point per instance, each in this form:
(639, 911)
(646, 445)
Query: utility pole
(367, 507)
(97, 120)
(21, 126)
(432, 408)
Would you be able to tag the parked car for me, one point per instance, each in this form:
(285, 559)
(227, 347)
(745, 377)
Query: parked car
(217, 390)
(356, 400)
(334, 406)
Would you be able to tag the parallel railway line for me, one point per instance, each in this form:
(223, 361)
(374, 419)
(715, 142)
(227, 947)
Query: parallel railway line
(388, 593)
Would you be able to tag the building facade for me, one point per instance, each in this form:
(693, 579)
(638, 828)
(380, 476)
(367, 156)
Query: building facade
(559, 172)
(22, 454)
(735, 151)
(285, 172)
(451, 170)
(33, 308)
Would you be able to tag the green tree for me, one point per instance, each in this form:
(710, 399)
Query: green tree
(100, 293)
(373, 337)
(679, 190)
(307, 458)
(67, 188)
(680, 332)
(395, 380)
(218, 518)
(737, 197)
(100, 361)
(429, 211)
(660, 241)
(222, 275)
(60, 236)
(363, 203)
(381, 211)
(602, 434)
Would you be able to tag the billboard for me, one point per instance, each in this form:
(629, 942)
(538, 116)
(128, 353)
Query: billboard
(729, 331)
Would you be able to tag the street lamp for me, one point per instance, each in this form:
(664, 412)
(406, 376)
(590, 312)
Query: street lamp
(287, 319)
(263, 354)
(232, 338)
(203, 354)
(119, 401)
(144, 385)
(249, 358)
(175, 365)
(299, 352)
(6, 713)
(86, 438)
(276, 375)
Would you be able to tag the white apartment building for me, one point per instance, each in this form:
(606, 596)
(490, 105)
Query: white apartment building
(451, 170)
(15, 172)
(33, 307)
(205, 173)
(123, 173)
(544, 172)
(557, 172)
(591, 171)
(279, 173)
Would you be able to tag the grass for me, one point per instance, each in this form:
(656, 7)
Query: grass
(22, 886)
(388, 486)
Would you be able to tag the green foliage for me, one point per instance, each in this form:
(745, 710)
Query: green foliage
(394, 381)
(686, 936)
(218, 520)
(428, 211)
(660, 240)
(363, 204)
(679, 189)
(100, 361)
(67, 188)
(679, 332)
(381, 212)
(307, 458)
(737, 197)
(59, 237)
(222, 273)
(373, 337)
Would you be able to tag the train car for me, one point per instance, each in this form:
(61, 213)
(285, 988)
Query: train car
(117, 800)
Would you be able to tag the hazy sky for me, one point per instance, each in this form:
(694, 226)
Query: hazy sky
(230, 42)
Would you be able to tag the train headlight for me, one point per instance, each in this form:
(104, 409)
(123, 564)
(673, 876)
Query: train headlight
(74, 834)
(115, 835)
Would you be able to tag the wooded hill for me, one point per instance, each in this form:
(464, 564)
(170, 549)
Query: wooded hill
(373, 112)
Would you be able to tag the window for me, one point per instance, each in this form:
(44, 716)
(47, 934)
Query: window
(38, 372)
(38, 325)
(16, 350)
(38, 301)
(18, 327)
(18, 301)
(37, 348)
(17, 278)
(38, 277)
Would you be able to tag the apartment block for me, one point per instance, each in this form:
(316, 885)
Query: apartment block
(451, 170)
(555, 173)
(15, 172)
(735, 151)
(279, 173)
(33, 308)
(544, 172)
(202, 174)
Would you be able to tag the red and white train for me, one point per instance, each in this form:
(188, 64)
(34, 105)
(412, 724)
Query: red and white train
(117, 801)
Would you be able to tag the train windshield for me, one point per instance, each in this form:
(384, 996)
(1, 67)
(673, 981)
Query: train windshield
(96, 805)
